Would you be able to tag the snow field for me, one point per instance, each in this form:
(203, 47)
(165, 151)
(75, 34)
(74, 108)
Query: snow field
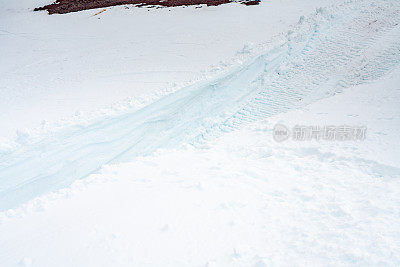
(329, 51)
(241, 200)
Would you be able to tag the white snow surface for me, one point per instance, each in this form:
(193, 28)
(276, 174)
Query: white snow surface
(79, 65)
(241, 200)
(189, 174)
(331, 49)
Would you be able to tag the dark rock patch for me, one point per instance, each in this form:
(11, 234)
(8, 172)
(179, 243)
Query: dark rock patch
(67, 6)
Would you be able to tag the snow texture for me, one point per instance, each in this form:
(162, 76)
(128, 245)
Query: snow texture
(192, 176)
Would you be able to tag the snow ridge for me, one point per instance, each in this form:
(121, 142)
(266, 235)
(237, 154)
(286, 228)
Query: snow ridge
(349, 44)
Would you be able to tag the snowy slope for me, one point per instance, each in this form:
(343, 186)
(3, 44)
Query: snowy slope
(54, 67)
(190, 175)
(336, 47)
(242, 200)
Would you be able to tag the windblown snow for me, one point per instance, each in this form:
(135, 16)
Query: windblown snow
(190, 175)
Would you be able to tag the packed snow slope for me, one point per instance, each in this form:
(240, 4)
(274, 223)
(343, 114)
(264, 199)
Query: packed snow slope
(240, 200)
(194, 178)
(53, 67)
(345, 44)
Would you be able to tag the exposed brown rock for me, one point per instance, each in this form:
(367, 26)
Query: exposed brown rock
(67, 6)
